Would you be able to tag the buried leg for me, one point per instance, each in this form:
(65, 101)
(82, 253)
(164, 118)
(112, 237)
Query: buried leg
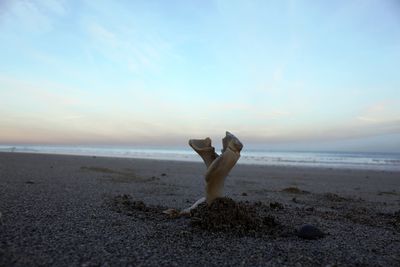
(207, 153)
(232, 141)
(220, 167)
(197, 203)
(204, 149)
(186, 212)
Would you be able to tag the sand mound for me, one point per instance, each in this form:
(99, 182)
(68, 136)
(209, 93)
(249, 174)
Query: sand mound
(223, 215)
(126, 205)
(226, 215)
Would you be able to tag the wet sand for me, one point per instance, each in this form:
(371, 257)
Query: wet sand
(60, 211)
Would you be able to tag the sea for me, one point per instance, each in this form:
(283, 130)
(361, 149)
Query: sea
(326, 159)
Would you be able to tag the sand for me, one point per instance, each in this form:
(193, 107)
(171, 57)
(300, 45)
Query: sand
(67, 211)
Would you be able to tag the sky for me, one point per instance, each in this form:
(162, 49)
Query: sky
(282, 75)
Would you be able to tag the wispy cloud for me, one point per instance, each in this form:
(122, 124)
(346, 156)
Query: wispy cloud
(137, 53)
(367, 119)
(381, 112)
(57, 7)
(277, 75)
(73, 117)
(39, 92)
(33, 16)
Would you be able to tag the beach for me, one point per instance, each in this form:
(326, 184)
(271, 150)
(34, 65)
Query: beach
(59, 210)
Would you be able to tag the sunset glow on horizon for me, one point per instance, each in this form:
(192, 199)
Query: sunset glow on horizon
(308, 75)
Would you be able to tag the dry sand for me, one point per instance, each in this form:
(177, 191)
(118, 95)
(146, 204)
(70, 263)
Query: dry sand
(67, 211)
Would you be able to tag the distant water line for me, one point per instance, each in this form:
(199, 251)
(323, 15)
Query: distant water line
(368, 161)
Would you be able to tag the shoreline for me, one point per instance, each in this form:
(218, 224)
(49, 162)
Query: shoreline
(55, 211)
(284, 164)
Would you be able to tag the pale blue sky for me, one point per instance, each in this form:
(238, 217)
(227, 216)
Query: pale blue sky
(318, 75)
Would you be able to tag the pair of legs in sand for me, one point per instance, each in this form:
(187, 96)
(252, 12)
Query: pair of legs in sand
(218, 166)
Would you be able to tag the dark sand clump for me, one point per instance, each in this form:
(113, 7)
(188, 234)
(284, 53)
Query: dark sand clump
(335, 197)
(294, 190)
(226, 215)
(126, 205)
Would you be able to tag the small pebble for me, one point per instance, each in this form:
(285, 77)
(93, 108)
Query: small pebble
(244, 194)
(308, 231)
(30, 182)
(309, 209)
